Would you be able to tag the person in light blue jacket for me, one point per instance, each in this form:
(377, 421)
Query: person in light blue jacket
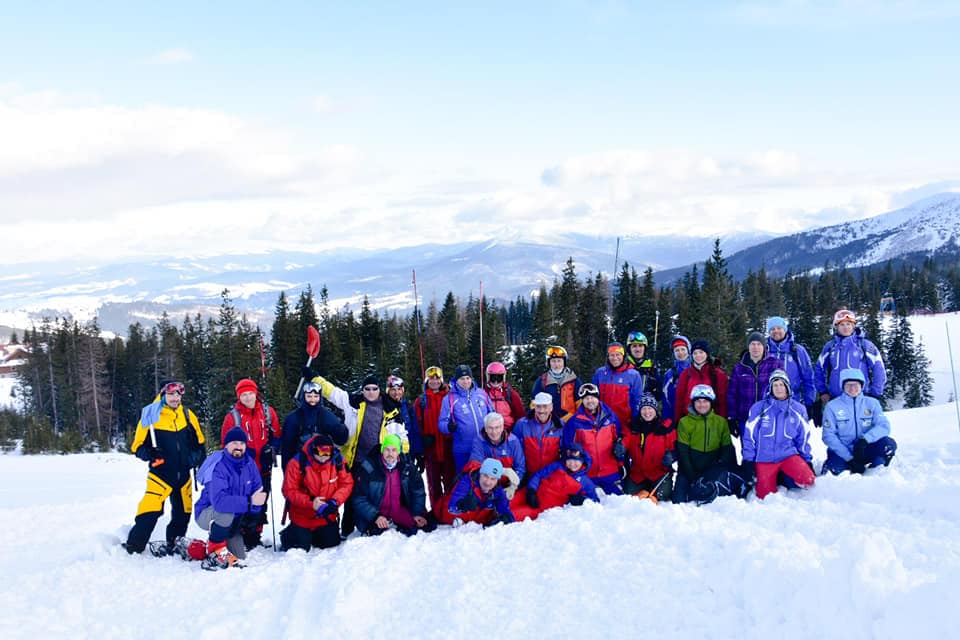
(856, 432)
(462, 414)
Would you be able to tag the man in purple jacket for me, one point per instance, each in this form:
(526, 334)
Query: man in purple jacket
(748, 381)
(232, 495)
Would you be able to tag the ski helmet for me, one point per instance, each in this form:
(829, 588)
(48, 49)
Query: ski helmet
(496, 368)
(556, 351)
(636, 337)
(844, 315)
(703, 391)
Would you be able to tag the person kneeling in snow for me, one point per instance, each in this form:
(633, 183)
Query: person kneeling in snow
(232, 498)
(776, 439)
(477, 497)
(650, 441)
(316, 483)
(559, 483)
(855, 430)
(706, 455)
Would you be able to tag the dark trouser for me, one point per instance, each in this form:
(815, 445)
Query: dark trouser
(715, 482)
(609, 483)
(431, 525)
(296, 537)
(151, 508)
(663, 492)
(250, 532)
(877, 454)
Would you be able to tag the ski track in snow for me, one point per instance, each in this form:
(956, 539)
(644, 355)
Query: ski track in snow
(873, 556)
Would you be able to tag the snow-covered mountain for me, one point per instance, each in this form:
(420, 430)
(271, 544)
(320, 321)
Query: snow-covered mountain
(928, 227)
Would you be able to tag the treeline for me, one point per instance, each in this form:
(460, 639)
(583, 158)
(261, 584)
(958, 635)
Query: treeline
(82, 391)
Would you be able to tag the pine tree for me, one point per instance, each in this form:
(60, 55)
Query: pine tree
(919, 392)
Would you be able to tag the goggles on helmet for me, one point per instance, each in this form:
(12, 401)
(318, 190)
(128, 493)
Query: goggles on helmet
(311, 387)
(434, 372)
(636, 337)
(556, 352)
(173, 387)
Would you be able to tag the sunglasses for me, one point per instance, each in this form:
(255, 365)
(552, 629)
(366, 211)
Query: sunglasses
(173, 387)
(434, 372)
(371, 388)
(572, 454)
(495, 377)
(323, 451)
(556, 352)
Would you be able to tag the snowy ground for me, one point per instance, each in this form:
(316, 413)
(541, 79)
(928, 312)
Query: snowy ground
(855, 557)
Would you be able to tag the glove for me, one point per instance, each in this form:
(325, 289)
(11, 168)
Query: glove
(860, 449)
(532, 498)
(451, 426)
(197, 456)
(749, 471)
(420, 463)
(619, 451)
(307, 373)
(669, 457)
(468, 502)
(429, 441)
(154, 455)
(267, 457)
(576, 499)
(502, 518)
(329, 507)
(734, 428)
(250, 520)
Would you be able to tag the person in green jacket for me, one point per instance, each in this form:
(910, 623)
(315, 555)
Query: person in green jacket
(707, 460)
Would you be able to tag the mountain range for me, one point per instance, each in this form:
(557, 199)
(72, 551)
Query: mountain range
(140, 290)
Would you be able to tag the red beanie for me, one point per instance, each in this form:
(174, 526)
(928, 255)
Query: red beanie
(246, 385)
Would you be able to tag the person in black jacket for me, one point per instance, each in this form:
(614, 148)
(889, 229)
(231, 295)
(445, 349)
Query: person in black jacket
(389, 493)
(309, 419)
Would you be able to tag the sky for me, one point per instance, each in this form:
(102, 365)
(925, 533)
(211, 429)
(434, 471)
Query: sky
(135, 129)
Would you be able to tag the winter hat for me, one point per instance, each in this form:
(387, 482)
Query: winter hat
(543, 398)
(776, 321)
(756, 336)
(462, 370)
(371, 379)
(647, 400)
(246, 385)
(236, 434)
(574, 452)
(702, 345)
(391, 440)
(781, 375)
(492, 467)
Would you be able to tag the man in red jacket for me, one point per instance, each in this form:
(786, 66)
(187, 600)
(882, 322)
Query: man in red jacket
(259, 421)
(437, 446)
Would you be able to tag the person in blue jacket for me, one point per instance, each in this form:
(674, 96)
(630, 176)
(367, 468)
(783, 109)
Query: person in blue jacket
(307, 420)
(848, 349)
(462, 414)
(680, 346)
(794, 359)
(496, 442)
(855, 430)
(232, 495)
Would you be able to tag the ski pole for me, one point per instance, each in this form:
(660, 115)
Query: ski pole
(953, 375)
(416, 313)
(481, 333)
(656, 332)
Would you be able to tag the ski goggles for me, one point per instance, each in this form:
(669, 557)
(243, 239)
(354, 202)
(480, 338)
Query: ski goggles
(556, 352)
(395, 382)
(616, 348)
(573, 453)
(173, 387)
(844, 315)
(323, 450)
(434, 372)
(495, 377)
(588, 389)
(311, 387)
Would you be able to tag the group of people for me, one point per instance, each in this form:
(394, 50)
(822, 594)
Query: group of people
(476, 453)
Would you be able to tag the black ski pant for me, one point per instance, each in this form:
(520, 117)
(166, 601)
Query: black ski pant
(297, 537)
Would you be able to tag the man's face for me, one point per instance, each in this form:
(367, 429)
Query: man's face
(494, 429)
(699, 356)
(172, 400)
(487, 483)
(591, 403)
(556, 365)
(778, 389)
(701, 406)
(248, 399)
(852, 388)
(390, 455)
(371, 392)
(845, 329)
(756, 350)
(648, 413)
(542, 412)
(395, 393)
(312, 398)
(434, 383)
(573, 464)
(778, 333)
(681, 352)
(615, 358)
(465, 382)
(236, 449)
(637, 351)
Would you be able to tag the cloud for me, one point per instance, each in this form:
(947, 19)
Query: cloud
(170, 56)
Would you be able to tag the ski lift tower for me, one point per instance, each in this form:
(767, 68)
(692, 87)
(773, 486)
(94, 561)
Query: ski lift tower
(888, 306)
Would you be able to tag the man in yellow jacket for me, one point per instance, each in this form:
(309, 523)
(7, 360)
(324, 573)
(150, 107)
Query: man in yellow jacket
(170, 439)
(366, 415)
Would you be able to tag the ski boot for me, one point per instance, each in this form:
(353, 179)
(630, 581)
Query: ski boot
(219, 557)
(161, 549)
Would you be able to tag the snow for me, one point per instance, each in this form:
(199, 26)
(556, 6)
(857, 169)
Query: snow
(873, 556)
(933, 329)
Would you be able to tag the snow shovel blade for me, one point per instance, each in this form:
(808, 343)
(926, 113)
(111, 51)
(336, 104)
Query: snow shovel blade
(313, 342)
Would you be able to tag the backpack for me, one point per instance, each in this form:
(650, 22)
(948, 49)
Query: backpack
(266, 413)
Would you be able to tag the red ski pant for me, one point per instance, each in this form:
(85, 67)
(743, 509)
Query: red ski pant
(793, 467)
(440, 473)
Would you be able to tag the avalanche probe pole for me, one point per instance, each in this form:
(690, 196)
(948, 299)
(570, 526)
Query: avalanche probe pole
(953, 375)
(656, 332)
(416, 312)
(266, 418)
(481, 336)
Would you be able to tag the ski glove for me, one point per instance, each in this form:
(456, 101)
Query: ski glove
(749, 472)
(467, 502)
(734, 428)
(327, 508)
(307, 373)
(532, 498)
(268, 457)
(669, 457)
(197, 456)
(154, 455)
(451, 426)
(576, 499)
(619, 451)
(502, 518)
(860, 449)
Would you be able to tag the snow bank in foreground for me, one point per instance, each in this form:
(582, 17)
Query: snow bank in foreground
(855, 557)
